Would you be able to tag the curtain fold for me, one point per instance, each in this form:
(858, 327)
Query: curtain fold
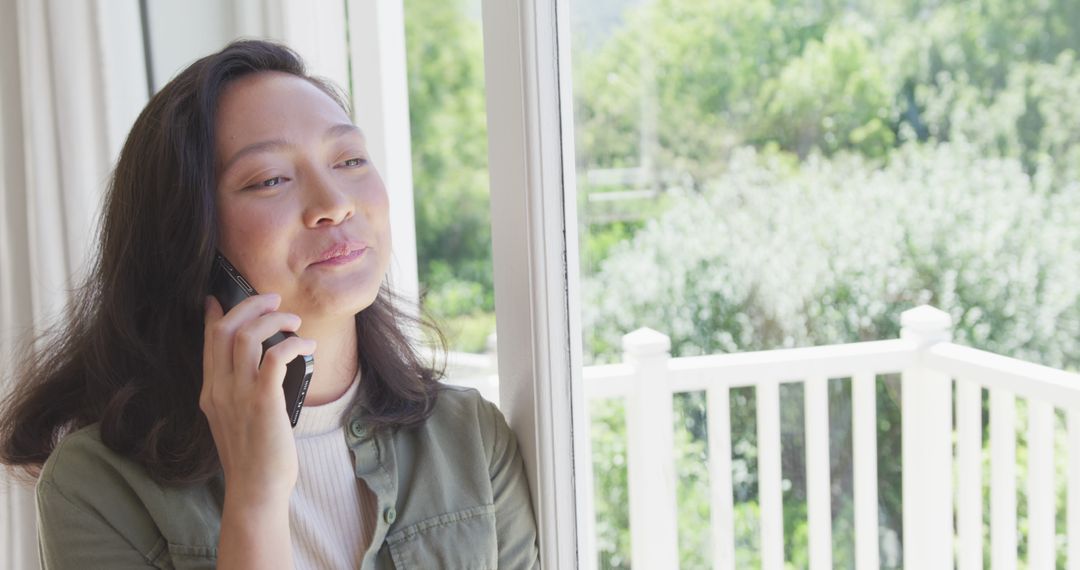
(55, 157)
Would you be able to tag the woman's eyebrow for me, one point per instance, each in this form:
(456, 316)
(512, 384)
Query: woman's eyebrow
(338, 130)
(255, 148)
(342, 130)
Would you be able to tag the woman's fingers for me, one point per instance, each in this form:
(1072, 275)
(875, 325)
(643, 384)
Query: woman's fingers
(277, 357)
(222, 330)
(232, 348)
(247, 342)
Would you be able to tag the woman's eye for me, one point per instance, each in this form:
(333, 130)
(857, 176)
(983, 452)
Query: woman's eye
(269, 182)
(353, 162)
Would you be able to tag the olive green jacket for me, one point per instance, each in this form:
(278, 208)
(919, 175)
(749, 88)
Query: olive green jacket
(451, 493)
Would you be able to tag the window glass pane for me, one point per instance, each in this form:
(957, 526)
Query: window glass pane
(444, 43)
(767, 174)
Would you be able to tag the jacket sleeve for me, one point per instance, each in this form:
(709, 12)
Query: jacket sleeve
(72, 537)
(515, 522)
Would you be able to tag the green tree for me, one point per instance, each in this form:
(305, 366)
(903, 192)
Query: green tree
(449, 146)
(835, 95)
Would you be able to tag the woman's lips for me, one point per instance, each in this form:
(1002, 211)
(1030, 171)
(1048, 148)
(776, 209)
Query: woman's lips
(341, 254)
(342, 259)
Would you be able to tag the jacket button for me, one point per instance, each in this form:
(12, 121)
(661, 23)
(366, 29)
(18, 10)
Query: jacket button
(357, 428)
(390, 515)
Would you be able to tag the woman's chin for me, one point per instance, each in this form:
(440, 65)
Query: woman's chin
(340, 304)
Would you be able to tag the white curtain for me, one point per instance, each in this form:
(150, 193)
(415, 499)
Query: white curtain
(73, 77)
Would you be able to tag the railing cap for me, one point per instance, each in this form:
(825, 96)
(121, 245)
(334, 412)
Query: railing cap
(646, 341)
(926, 322)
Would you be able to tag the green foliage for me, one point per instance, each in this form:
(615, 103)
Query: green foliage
(834, 96)
(793, 468)
(832, 251)
(683, 82)
(469, 332)
(694, 69)
(608, 436)
(747, 535)
(890, 469)
(600, 239)
(1032, 117)
(692, 490)
(444, 52)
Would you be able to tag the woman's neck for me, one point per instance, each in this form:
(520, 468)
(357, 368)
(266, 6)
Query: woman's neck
(336, 360)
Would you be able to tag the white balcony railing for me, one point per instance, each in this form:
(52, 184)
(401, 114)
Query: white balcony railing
(940, 530)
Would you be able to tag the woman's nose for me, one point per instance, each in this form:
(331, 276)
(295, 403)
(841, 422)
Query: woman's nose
(327, 202)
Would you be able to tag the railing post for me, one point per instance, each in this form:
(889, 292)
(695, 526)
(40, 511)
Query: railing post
(651, 452)
(927, 447)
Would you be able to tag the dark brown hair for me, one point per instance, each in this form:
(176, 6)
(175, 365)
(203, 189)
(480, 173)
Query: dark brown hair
(129, 354)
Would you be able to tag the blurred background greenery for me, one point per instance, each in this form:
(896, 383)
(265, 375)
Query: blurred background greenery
(756, 174)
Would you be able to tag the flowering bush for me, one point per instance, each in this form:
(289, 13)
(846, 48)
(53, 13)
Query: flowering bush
(779, 254)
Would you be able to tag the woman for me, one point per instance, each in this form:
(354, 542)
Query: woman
(155, 423)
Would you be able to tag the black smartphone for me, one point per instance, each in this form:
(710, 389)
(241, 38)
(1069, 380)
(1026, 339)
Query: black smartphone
(230, 288)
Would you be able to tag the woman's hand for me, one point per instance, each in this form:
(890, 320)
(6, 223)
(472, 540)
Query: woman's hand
(244, 402)
(243, 399)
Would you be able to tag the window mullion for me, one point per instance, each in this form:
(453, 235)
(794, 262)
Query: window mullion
(534, 234)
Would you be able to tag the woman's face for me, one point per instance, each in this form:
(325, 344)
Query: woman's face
(302, 211)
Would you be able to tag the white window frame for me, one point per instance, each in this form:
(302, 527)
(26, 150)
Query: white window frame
(535, 257)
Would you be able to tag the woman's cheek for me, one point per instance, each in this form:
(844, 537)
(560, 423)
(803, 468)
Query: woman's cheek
(252, 237)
